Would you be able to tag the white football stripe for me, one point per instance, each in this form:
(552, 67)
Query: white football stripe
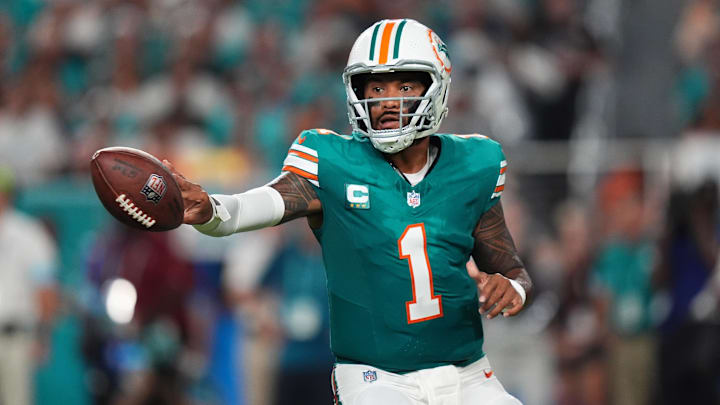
(501, 180)
(305, 149)
(300, 163)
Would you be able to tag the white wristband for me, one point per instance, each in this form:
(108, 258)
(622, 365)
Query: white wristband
(520, 290)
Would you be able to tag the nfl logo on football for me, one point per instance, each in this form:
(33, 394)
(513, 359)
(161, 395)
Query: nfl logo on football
(370, 376)
(413, 199)
(154, 188)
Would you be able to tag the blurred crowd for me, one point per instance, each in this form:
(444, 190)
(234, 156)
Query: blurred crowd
(608, 110)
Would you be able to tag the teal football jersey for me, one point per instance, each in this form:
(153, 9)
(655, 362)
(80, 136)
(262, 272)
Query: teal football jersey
(395, 254)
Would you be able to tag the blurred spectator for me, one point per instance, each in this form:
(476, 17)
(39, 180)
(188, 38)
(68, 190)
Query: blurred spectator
(696, 28)
(247, 258)
(218, 370)
(31, 140)
(689, 355)
(551, 63)
(297, 275)
(577, 329)
(621, 281)
(27, 296)
(144, 284)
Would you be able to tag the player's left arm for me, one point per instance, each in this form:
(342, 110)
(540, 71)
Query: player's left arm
(495, 255)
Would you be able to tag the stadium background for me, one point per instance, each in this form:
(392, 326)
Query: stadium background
(608, 110)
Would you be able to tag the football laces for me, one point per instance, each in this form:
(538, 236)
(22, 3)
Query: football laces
(132, 210)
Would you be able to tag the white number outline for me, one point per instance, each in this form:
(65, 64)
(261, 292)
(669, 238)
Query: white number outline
(428, 300)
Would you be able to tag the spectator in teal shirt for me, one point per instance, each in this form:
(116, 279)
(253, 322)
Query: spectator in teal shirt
(621, 280)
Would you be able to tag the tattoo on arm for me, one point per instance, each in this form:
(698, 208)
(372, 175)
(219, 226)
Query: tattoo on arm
(299, 197)
(494, 250)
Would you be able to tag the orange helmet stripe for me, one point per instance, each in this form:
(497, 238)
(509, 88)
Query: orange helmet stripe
(385, 44)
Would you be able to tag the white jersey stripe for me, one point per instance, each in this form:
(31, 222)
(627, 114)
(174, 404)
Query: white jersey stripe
(302, 164)
(500, 180)
(304, 149)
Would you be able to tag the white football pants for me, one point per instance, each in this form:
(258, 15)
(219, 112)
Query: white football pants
(475, 384)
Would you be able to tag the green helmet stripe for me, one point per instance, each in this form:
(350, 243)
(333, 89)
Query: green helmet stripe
(398, 33)
(372, 42)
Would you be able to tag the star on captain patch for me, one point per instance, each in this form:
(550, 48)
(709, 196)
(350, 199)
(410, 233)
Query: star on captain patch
(413, 199)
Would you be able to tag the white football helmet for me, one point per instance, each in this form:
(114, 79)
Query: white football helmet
(391, 46)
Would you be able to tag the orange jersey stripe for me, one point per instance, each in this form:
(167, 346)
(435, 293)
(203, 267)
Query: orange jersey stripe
(304, 155)
(385, 44)
(499, 188)
(502, 169)
(299, 172)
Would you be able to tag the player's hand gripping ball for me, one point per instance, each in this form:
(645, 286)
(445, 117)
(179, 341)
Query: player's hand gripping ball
(137, 189)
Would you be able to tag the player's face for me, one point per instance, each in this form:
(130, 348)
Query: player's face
(386, 114)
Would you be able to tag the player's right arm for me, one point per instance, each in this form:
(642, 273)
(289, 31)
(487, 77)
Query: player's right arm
(287, 197)
(299, 198)
(504, 283)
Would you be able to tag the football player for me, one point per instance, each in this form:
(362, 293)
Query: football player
(398, 210)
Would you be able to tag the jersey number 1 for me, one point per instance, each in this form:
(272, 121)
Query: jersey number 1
(413, 246)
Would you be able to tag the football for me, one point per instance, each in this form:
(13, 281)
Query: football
(137, 189)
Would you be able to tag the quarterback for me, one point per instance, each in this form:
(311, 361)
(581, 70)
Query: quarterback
(398, 210)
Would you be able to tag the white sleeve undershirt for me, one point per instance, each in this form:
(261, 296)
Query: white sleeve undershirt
(254, 209)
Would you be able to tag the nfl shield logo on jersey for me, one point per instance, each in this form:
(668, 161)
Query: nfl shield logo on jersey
(413, 199)
(370, 376)
(154, 188)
